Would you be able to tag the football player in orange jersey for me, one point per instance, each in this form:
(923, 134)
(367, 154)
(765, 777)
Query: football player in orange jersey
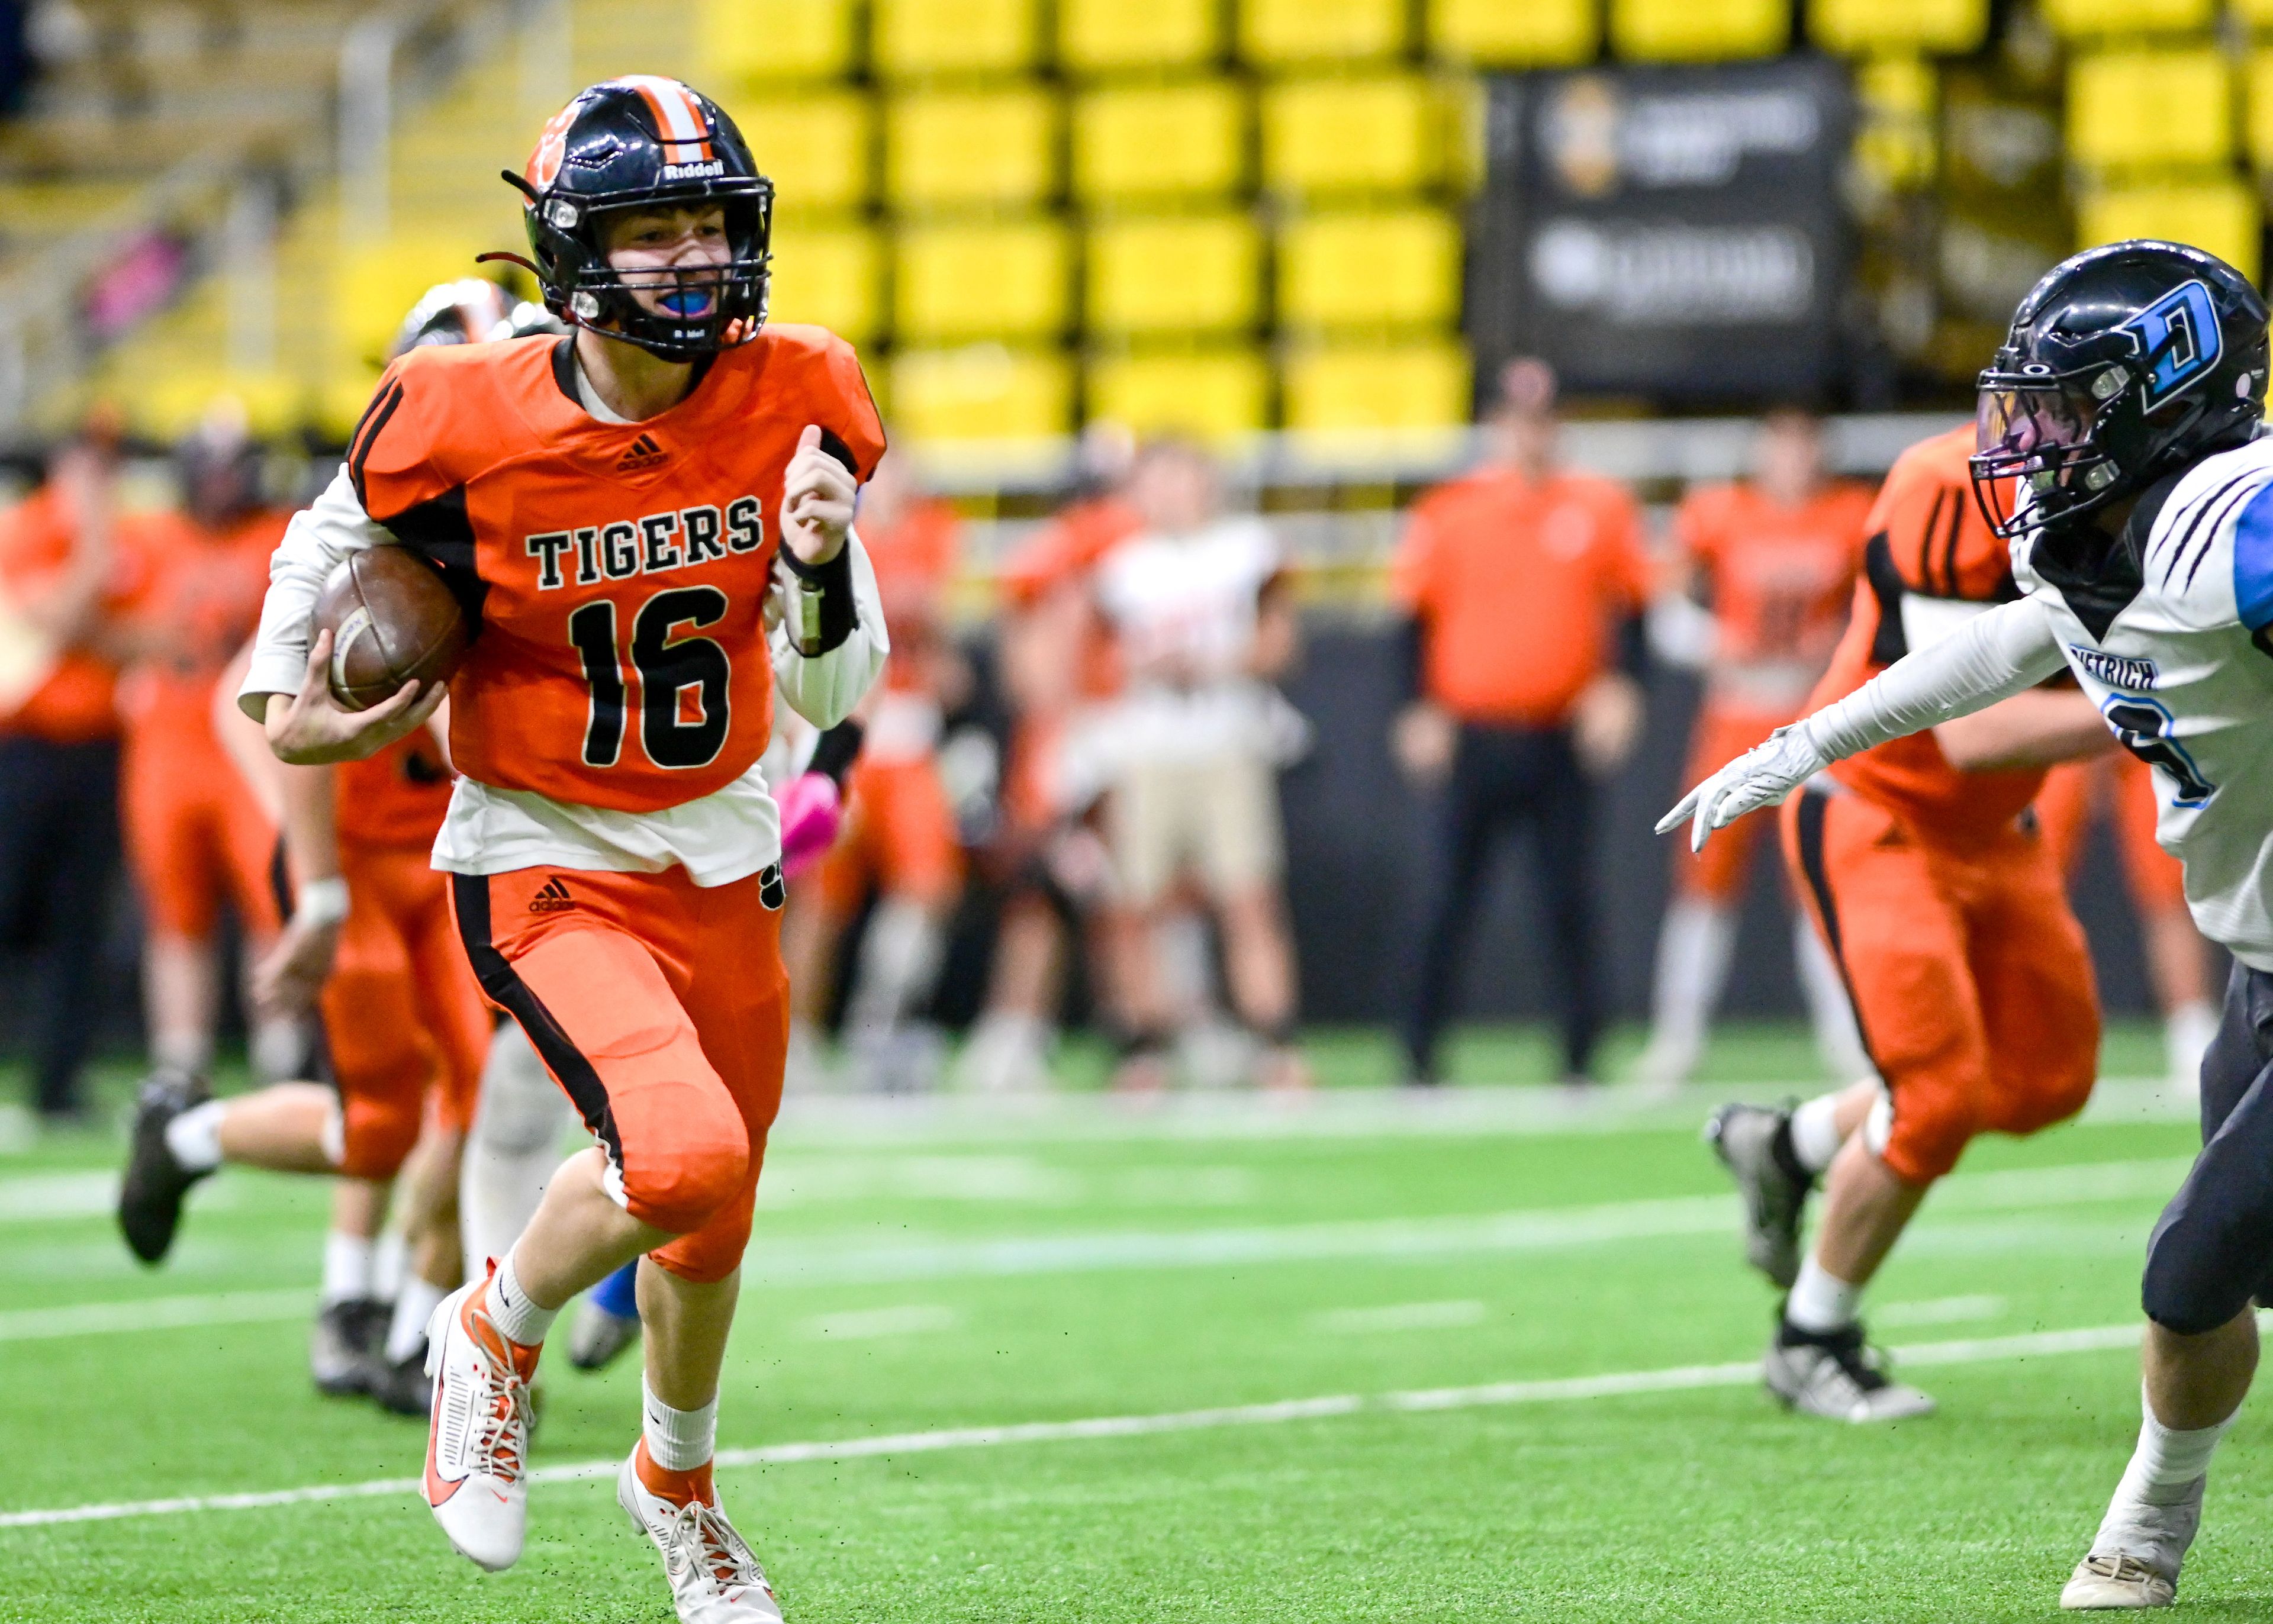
(195, 838)
(371, 940)
(1057, 656)
(899, 840)
(2177, 958)
(652, 520)
(1774, 558)
(1922, 864)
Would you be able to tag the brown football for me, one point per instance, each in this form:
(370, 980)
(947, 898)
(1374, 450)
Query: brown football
(393, 620)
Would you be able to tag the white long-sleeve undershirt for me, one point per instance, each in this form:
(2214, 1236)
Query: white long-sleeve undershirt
(1994, 656)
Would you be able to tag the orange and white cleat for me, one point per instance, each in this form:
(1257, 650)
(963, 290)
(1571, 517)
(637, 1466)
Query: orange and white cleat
(477, 1431)
(714, 1577)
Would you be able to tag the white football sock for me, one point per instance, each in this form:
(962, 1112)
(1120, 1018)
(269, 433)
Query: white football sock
(510, 1308)
(390, 1264)
(347, 1266)
(182, 1051)
(1815, 1133)
(2187, 1032)
(1837, 1038)
(1821, 1301)
(1693, 947)
(194, 1137)
(2166, 1461)
(278, 1049)
(414, 1305)
(899, 958)
(513, 1149)
(677, 1440)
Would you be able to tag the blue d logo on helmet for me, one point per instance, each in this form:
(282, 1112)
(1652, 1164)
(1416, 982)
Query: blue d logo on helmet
(2178, 336)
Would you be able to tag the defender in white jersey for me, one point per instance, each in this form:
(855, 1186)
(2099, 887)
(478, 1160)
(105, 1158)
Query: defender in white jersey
(2126, 406)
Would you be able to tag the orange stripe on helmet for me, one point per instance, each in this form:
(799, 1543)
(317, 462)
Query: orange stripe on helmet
(679, 118)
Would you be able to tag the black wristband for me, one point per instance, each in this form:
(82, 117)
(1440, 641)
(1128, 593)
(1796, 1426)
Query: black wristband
(831, 585)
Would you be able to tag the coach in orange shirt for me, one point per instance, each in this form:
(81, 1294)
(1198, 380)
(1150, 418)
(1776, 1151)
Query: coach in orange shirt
(60, 583)
(1524, 581)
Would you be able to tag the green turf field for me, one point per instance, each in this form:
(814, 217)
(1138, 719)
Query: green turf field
(1479, 1356)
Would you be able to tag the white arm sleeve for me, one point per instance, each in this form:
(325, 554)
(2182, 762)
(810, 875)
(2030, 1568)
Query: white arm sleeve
(824, 689)
(319, 536)
(1992, 656)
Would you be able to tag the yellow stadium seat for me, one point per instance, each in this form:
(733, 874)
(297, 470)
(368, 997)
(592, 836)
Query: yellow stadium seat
(2258, 118)
(918, 37)
(1151, 141)
(2222, 217)
(1381, 268)
(980, 391)
(775, 39)
(2254, 13)
(1341, 388)
(1856, 26)
(2150, 108)
(1182, 274)
(1514, 33)
(981, 281)
(832, 276)
(1105, 36)
(1214, 393)
(1274, 32)
(970, 147)
(815, 149)
(376, 286)
(2090, 18)
(1699, 30)
(173, 400)
(1897, 146)
(1379, 133)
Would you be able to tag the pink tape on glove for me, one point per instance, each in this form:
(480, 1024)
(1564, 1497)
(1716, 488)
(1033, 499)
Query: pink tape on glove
(812, 812)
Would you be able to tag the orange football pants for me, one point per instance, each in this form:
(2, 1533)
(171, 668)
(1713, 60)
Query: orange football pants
(899, 836)
(1969, 975)
(1717, 873)
(401, 1010)
(195, 836)
(661, 1009)
(2124, 785)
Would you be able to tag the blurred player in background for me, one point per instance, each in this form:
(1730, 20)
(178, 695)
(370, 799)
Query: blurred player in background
(196, 838)
(63, 581)
(1526, 584)
(1923, 868)
(899, 842)
(1190, 755)
(1058, 659)
(372, 942)
(2178, 959)
(1767, 567)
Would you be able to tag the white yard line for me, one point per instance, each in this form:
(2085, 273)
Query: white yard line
(1538, 1229)
(1567, 1389)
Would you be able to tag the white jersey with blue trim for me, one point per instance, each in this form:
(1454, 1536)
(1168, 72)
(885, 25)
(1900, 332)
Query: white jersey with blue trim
(2174, 658)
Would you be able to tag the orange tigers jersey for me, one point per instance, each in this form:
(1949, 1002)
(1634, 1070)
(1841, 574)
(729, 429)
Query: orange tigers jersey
(620, 569)
(1780, 578)
(1929, 547)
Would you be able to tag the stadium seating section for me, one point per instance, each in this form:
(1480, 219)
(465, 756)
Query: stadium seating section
(1231, 215)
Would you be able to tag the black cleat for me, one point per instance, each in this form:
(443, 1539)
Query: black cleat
(344, 1349)
(150, 1195)
(403, 1386)
(1754, 1144)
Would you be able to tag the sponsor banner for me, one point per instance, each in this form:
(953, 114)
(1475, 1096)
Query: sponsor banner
(1674, 234)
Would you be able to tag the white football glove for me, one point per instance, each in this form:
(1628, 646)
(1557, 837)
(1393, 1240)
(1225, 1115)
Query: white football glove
(1762, 776)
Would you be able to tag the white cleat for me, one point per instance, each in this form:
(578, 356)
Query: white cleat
(2136, 1555)
(477, 1433)
(1837, 1376)
(713, 1578)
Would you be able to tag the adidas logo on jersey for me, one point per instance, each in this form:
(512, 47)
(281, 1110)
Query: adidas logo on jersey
(644, 454)
(550, 897)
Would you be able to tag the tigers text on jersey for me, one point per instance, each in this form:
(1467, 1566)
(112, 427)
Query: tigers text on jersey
(620, 690)
(2168, 636)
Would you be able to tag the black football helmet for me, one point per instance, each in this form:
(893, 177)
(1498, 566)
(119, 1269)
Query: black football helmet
(637, 142)
(470, 310)
(2123, 363)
